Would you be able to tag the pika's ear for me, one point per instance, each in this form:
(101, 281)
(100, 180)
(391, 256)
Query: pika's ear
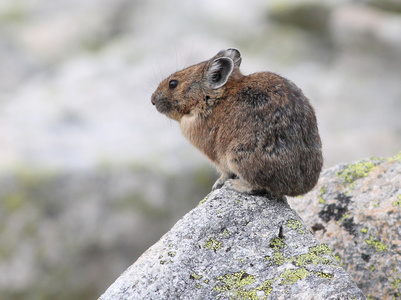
(219, 71)
(232, 53)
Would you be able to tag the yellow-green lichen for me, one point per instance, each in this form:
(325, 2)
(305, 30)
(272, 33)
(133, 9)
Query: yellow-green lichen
(322, 191)
(202, 201)
(398, 202)
(226, 233)
(364, 230)
(314, 256)
(343, 217)
(236, 284)
(195, 276)
(165, 261)
(338, 258)
(295, 225)
(266, 287)
(213, 244)
(396, 157)
(277, 244)
(376, 204)
(356, 171)
(171, 254)
(396, 284)
(372, 267)
(279, 258)
(292, 276)
(375, 244)
(324, 275)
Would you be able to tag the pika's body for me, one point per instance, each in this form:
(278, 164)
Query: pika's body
(259, 130)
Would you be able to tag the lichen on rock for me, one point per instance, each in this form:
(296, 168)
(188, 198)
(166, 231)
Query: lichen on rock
(360, 219)
(226, 248)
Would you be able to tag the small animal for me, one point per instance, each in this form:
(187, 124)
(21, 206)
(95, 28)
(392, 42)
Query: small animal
(259, 130)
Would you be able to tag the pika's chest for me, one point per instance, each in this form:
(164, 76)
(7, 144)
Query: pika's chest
(201, 132)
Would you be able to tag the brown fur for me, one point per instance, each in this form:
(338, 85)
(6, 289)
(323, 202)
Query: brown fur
(259, 130)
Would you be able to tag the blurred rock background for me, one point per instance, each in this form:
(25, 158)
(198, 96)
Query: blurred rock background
(91, 174)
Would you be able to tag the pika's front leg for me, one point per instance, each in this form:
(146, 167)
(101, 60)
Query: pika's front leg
(223, 178)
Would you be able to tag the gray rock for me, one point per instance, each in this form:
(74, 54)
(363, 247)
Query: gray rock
(236, 246)
(356, 210)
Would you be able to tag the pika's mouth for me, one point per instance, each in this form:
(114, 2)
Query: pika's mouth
(162, 104)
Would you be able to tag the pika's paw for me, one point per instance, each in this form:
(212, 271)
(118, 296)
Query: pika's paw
(222, 180)
(218, 184)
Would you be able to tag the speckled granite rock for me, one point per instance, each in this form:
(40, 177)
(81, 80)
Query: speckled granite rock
(234, 246)
(356, 210)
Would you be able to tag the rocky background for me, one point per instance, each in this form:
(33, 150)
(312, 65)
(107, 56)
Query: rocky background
(91, 175)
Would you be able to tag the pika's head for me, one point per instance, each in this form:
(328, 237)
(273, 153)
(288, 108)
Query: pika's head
(197, 87)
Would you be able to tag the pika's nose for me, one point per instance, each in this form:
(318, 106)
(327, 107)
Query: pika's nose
(156, 97)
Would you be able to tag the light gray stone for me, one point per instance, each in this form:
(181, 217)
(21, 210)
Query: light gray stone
(356, 210)
(236, 246)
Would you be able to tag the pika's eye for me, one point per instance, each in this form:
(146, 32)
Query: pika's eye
(172, 84)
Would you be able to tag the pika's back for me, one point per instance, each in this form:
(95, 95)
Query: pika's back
(259, 130)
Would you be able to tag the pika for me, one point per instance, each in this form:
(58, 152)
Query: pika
(259, 130)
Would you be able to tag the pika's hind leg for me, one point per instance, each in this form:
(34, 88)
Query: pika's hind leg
(242, 186)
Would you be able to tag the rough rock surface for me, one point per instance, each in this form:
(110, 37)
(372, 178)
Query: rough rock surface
(235, 246)
(356, 210)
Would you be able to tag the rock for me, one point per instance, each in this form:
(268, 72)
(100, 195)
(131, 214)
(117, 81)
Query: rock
(356, 210)
(236, 246)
